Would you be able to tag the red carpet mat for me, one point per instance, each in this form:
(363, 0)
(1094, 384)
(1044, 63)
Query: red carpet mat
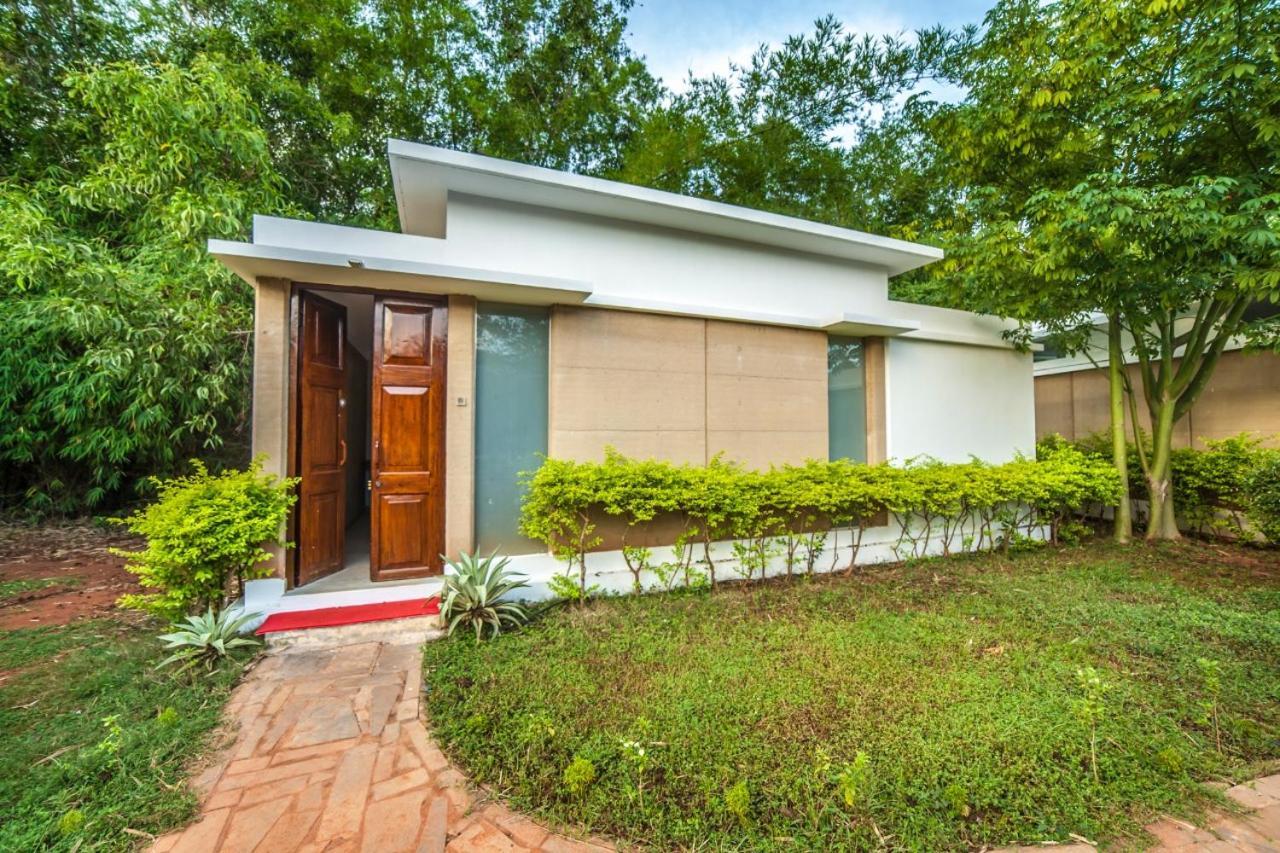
(327, 617)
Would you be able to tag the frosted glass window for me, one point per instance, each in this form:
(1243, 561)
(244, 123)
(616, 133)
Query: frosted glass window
(511, 419)
(846, 399)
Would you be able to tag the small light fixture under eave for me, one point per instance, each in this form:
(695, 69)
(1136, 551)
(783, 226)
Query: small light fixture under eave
(355, 263)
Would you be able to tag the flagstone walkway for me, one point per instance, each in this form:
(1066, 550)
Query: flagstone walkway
(331, 755)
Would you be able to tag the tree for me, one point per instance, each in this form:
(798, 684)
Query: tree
(548, 82)
(123, 345)
(814, 129)
(1122, 158)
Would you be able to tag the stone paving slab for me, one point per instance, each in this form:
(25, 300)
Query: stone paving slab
(331, 754)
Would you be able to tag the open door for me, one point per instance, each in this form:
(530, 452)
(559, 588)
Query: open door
(322, 437)
(407, 501)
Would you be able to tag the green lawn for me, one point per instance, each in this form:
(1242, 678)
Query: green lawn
(936, 705)
(93, 740)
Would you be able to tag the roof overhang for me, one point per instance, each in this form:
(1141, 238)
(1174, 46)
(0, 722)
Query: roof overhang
(252, 261)
(424, 176)
(845, 324)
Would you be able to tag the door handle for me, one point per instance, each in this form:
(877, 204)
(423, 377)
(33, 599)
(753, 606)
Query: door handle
(343, 460)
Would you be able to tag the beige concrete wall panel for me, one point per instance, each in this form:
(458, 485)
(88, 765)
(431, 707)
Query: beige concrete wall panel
(270, 411)
(1055, 412)
(759, 449)
(683, 446)
(633, 381)
(873, 354)
(763, 404)
(460, 377)
(1243, 395)
(739, 349)
(605, 398)
(593, 337)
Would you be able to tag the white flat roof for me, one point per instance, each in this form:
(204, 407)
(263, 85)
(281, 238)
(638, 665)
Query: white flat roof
(424, 175)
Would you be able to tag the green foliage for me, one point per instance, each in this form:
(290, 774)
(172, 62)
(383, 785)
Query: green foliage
(1091, 708)
(1117, 157)
(207, 639)
(958, 681)
(68, 781)
(130, 134)
(205, 532)
(737, 801)
(1223, 488)
(853, 781)
(579, 775)
(123, 343)
(787, 511)
(474, 591)
(1263, 488)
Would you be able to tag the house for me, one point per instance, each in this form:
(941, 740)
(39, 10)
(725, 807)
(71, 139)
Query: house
(409, 378)
(1243, 395)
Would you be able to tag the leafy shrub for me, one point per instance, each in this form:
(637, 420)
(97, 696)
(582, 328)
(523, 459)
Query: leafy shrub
(1263, 488)
(793, 511)
(203, 532)
(579, 775)
(206, 639)
(473, 593)
(1216, 489)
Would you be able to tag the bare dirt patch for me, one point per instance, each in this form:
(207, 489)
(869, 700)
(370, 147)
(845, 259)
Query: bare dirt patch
(52, 574)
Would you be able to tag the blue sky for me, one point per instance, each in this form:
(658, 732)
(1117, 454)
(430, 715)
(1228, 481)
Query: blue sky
(705, 35)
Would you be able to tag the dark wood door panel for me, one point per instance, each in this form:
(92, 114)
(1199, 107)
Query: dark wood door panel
(321, 437)
(407, 517)
(406, 421)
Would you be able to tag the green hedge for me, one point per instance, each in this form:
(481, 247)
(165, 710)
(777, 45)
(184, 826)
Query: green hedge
(790, 511)
(1230, 486)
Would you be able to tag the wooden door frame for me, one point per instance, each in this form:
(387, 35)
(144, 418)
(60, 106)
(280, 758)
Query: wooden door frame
(293, 448)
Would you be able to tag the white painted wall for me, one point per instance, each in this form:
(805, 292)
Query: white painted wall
(630, 261)
(951, 401)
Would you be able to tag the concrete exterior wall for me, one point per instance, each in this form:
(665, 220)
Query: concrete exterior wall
(459, 428)
(685, 389)
(270, 412)
(627, 260)
(951, 401)
(1242, 396)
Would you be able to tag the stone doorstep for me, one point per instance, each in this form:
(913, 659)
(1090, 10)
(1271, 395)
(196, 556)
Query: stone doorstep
(407, 630)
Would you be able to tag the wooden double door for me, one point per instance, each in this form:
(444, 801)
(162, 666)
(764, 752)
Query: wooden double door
(406, 437)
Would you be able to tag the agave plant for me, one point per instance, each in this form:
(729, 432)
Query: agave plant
(206, 638)
(473, 593)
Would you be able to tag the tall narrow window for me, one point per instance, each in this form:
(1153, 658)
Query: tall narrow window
(846, 399)
(511, 418)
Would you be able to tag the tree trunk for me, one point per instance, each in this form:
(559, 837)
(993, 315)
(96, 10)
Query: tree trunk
(1119, 448)
(1162, 523)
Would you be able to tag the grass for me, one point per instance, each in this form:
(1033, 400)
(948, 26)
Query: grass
(931, 706)
(94, 742)
(18, 586)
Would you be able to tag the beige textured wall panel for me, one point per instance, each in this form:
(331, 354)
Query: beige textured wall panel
(459, 483)
(604, 398)
(739, 349)
(636, 382)
(1244, 395)
(761, 404)
(594, 337)
(1055, 412)
(271, 384)
(758, 449)
(877, 411)
(766, 393)
(672, 445)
